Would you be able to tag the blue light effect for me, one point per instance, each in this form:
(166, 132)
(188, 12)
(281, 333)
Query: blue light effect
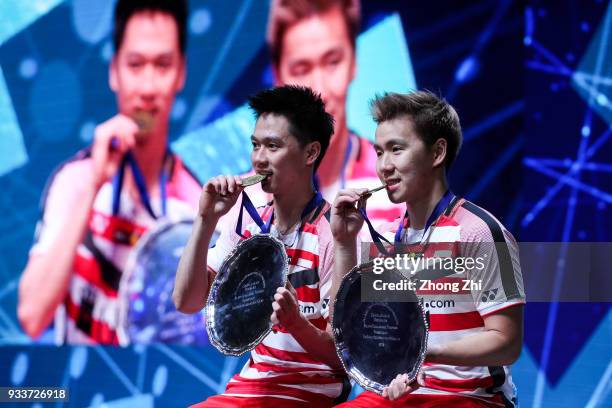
(78, 362)
(138, 305)
(160, 380)
(28, 68)
(92, 19)
(179, 109)
(602, 99)
(20, 369)
(87, 131)
(97, 400)
(200, 21)
(529, 26)
(106, 52)
(467, 70)
(585, 131)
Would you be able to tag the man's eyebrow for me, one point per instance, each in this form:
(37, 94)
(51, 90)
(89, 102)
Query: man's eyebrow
(137, 54)
(336, 50)
(266, 138)
(395, 141)
(391, 142)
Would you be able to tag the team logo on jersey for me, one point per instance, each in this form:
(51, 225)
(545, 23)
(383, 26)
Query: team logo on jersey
(325, 303)
(489, 295)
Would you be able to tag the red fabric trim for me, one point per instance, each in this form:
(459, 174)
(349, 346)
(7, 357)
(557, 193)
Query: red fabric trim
(455, 321)
(117, 230)
(293, 356)
(295, 254)
(369, 399)
(471, 384)
(445, 221)
(294, 379)
(265, 367)
(89, 269)
(267, 388)
(311, 229)
(100, 332)
(306, 294)
(227, 401)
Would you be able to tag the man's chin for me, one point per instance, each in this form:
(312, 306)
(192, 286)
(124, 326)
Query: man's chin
(395, 198)
(142, 138)
(267, 188)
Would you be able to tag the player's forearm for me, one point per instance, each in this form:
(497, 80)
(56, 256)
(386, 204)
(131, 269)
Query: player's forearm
(46, 278)
(316, 342)
(488, 348)
(192, 281)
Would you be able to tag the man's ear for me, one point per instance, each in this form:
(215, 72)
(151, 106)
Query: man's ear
(113, 81)
(354, 66)
(182, 75)
(312, 151)
(439, 151)
(276, 74)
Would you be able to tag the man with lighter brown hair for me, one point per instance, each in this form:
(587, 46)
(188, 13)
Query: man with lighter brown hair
(313, 44)
(476, 333)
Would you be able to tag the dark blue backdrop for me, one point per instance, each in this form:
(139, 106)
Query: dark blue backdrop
(532, 83)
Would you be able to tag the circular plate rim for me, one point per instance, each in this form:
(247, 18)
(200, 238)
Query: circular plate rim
(338, 335)
(219, 280)
(122, 292)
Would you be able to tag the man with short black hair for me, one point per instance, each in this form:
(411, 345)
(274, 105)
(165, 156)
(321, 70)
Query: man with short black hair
(295, 365)
(91, 221)
(475, 333)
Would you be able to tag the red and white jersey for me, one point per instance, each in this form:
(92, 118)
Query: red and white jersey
(454, 310)
(358, 172)
(90, 311)
(279, 366)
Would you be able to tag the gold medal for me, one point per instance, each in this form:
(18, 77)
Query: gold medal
(368, 194)
(254, 179)
(145, 121)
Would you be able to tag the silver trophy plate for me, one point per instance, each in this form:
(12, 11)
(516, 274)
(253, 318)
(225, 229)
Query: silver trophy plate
(239, 304)
(146, 312)
(376, 341)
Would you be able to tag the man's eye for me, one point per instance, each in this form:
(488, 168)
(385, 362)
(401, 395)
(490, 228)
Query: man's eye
(334, 61)
(272, 146)
(300, 69)
(255, 145)
(378, 153)
(396, 149)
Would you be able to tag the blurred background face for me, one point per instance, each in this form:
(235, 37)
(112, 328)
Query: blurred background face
(148, 69)
(279, 155)
(317, 52)
(404, 162)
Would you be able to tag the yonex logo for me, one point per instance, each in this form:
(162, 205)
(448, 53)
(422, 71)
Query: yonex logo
(489, 295)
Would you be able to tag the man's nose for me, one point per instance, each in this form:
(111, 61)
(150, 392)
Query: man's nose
(148, 81)
(318, 83)
(259, 158)
(385, 164)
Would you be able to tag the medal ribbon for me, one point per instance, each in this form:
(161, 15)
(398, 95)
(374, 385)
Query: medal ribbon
(265, 227)
(440, 207)
(130, 160)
